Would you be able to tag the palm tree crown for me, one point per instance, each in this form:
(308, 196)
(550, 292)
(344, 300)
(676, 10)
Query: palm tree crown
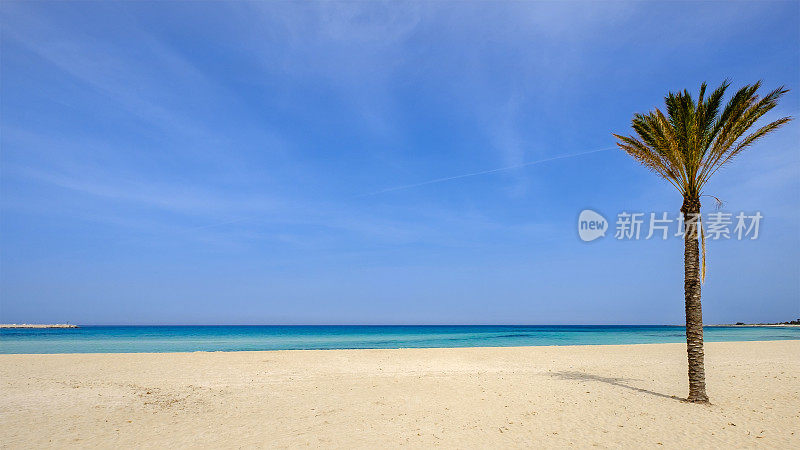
(693, 140)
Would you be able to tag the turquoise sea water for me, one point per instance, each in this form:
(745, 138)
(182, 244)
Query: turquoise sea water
(127, 339)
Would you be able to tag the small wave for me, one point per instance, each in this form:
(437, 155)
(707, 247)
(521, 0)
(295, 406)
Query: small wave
(508, 335)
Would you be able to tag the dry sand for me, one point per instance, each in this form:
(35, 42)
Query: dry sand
(608, 396)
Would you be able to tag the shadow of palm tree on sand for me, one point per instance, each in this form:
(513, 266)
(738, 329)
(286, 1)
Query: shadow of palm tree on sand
(618, 382)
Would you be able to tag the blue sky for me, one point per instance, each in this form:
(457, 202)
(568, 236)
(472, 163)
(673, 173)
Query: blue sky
(222, 163)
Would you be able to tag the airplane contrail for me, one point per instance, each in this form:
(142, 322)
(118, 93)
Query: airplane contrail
(437, 180)
(484, 172)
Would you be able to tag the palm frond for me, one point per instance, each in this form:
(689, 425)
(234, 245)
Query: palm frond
(744, 113)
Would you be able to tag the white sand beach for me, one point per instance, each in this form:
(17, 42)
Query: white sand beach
(608, 396)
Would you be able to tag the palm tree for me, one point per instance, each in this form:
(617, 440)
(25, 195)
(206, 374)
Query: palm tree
(686, 147)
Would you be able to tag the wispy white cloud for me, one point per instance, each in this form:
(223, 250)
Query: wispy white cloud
(146, 78)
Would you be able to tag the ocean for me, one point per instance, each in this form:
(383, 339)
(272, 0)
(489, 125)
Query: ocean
(160, 339)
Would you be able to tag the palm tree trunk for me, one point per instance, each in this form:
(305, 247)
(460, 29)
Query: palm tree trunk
(694, 312)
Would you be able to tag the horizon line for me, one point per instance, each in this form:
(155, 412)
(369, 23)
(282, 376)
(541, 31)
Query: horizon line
(372, 324)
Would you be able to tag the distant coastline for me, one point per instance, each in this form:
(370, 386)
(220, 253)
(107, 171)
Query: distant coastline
(32, 325)
(793, 323)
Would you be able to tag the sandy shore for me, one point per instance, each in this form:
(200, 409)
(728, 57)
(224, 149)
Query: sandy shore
(611, 396)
